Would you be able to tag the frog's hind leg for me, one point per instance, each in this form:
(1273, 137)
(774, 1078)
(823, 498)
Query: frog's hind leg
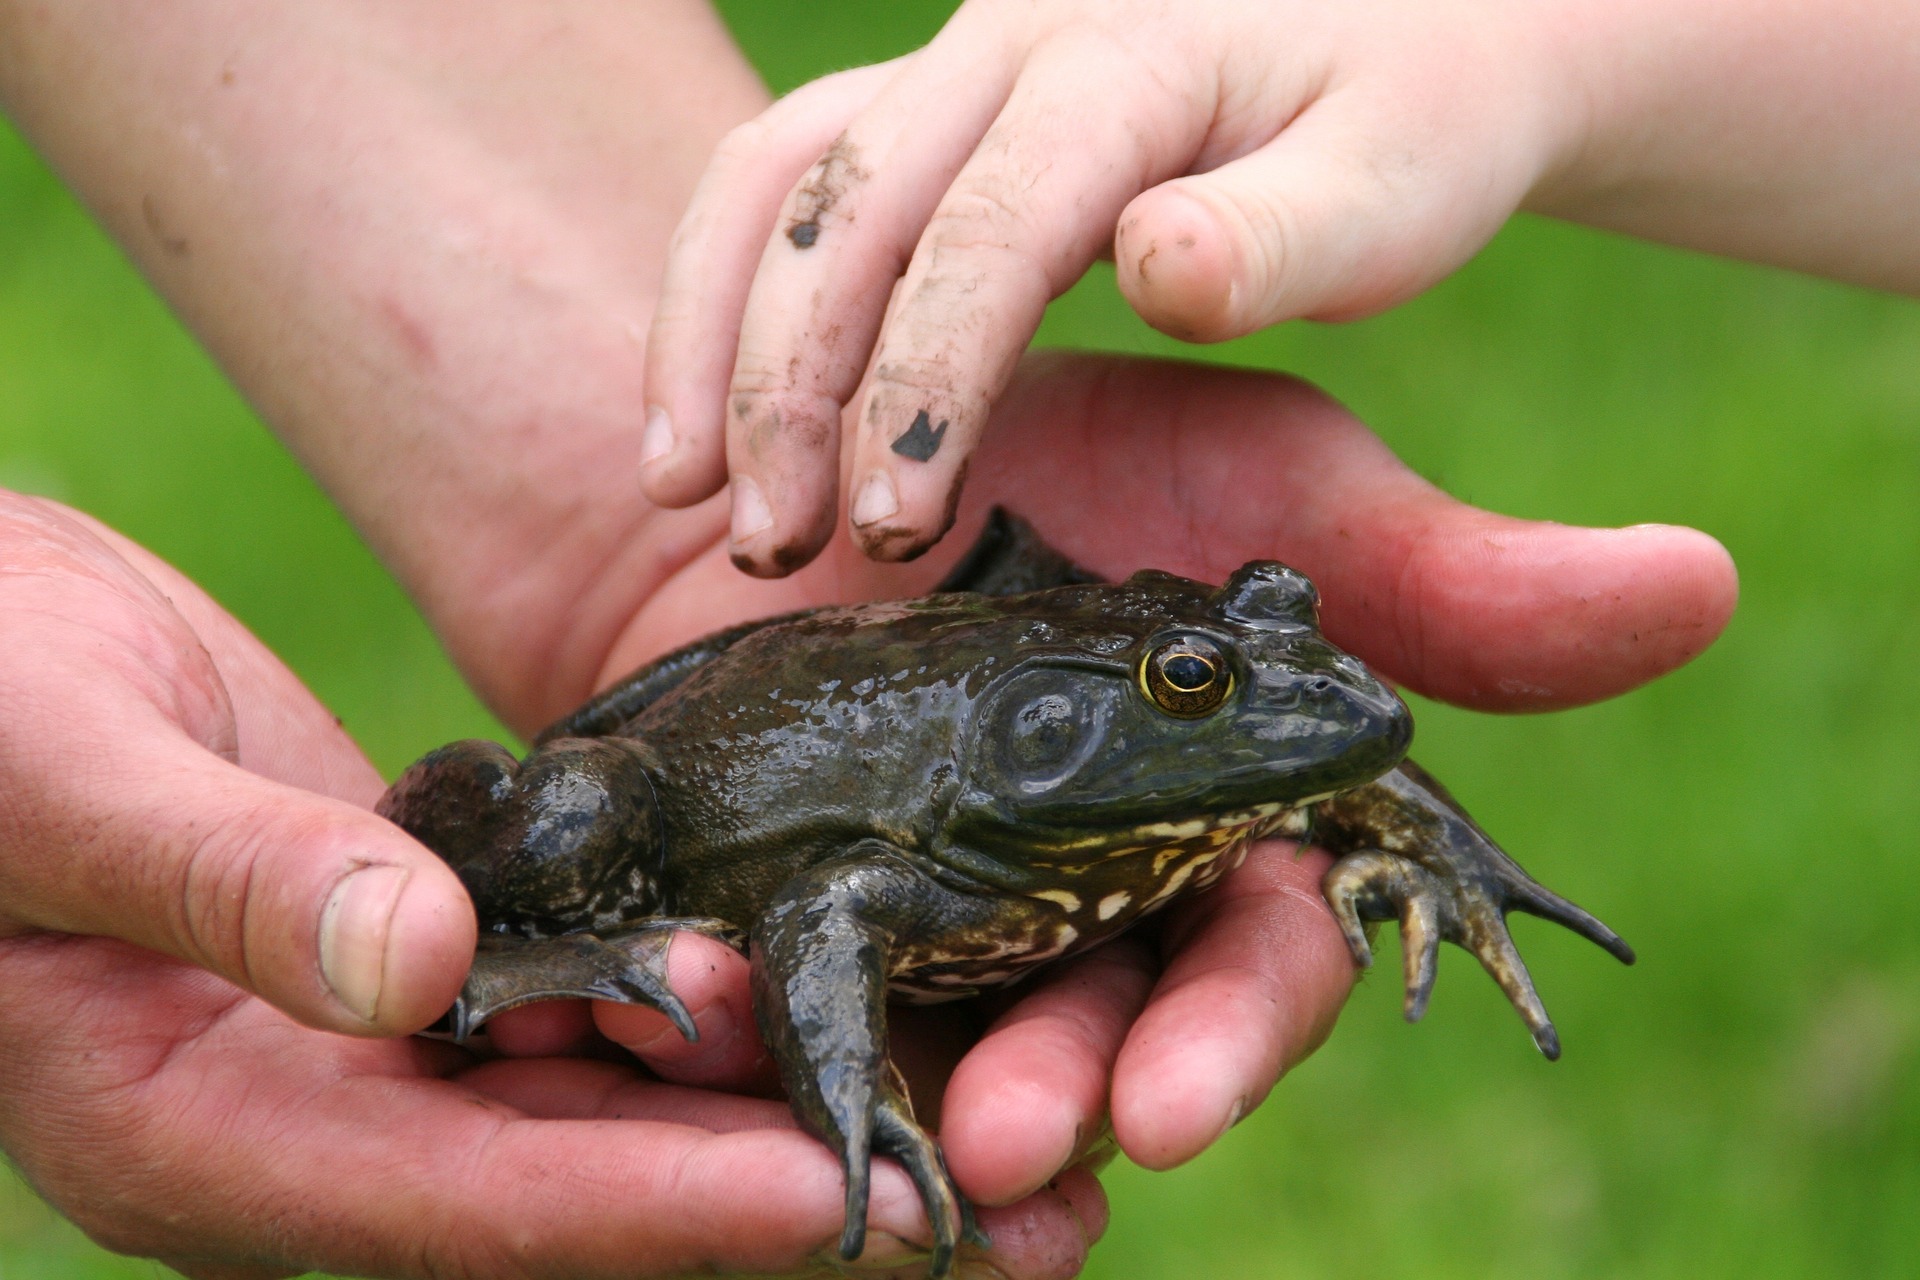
(822, 956)
(1407, 851)
(562, 855)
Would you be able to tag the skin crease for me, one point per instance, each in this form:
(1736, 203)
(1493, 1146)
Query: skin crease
(439, 298)
(1243, 165)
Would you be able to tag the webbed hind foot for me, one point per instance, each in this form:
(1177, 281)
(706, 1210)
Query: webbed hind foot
(1408, 852)
(627, 967)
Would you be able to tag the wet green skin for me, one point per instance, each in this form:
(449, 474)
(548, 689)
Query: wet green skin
(932, 797)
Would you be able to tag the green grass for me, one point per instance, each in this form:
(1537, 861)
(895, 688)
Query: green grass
(1745, 1101)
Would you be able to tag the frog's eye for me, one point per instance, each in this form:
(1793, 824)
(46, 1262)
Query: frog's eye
(1188, 677)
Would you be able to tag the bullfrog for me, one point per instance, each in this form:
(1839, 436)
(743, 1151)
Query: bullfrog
(927, 798)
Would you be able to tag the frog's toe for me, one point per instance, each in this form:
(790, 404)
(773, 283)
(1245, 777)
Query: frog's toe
(628, 968)
(896, 1133)
(1462, 895)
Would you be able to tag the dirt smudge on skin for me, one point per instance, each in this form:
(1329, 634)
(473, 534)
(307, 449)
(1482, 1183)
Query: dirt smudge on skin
(921, 440)
(1140, 267)
(827, 184)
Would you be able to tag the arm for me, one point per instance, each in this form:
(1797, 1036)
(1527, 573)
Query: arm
(1772, 131)
(425, 241)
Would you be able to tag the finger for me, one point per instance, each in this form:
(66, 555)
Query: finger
(551, 1028)
(1082, 133)
(1199, 470)
(1031, 1097)
(1257, 974)
(125, 820)
(204, 1271)
(710, 265)
(843, 237)
(1358, 204)
(318, 907)
(1027, 1233)
(712, 980)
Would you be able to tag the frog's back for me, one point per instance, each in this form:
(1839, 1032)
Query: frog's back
(846, 724)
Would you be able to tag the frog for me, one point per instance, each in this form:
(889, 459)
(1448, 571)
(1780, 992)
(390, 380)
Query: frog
(929, 798)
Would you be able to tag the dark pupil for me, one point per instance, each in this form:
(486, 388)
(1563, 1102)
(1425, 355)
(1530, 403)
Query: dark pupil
(1187, 672)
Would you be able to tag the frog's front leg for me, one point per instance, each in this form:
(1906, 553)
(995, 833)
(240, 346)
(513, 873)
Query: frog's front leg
(822, 955)
(1408, 851)
(562, 855)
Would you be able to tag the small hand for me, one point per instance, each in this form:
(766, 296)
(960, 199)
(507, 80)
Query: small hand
(887, 238)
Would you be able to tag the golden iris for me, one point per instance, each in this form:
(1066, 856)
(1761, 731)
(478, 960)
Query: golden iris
(1188, 677)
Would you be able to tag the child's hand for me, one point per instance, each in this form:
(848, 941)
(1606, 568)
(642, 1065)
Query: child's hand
(1245, 163)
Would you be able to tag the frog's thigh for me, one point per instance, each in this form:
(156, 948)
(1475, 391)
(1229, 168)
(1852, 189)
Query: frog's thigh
(568, 839)
(1408, 851)
(821, 956)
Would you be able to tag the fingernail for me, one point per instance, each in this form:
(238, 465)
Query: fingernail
(875, 501)
(656, 442)
(355, 926)
(1237, 1110)
(751, 514)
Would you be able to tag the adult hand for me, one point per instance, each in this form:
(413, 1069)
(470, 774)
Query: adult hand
(1198, 470)
(187, 846)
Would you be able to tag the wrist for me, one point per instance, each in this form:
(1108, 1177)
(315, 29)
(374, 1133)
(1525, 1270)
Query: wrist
(1769, 130)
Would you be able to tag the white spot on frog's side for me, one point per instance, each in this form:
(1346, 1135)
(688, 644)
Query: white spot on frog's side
(1113, 904)
(1065, 897)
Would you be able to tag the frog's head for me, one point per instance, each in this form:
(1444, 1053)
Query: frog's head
(1166, 706)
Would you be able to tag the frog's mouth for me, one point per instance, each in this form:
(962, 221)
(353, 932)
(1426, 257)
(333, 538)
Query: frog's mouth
(1169, 838)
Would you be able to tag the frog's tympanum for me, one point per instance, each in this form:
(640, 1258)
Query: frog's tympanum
(930, 797)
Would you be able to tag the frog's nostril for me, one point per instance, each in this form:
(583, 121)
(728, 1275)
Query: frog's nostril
(1319, 684)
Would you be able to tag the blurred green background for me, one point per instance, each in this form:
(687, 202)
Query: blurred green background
(1743, 1102)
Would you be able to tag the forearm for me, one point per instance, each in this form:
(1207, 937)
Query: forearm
(425, 241)
(1780, 131)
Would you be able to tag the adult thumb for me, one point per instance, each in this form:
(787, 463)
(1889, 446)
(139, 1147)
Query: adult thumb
(319, 907)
